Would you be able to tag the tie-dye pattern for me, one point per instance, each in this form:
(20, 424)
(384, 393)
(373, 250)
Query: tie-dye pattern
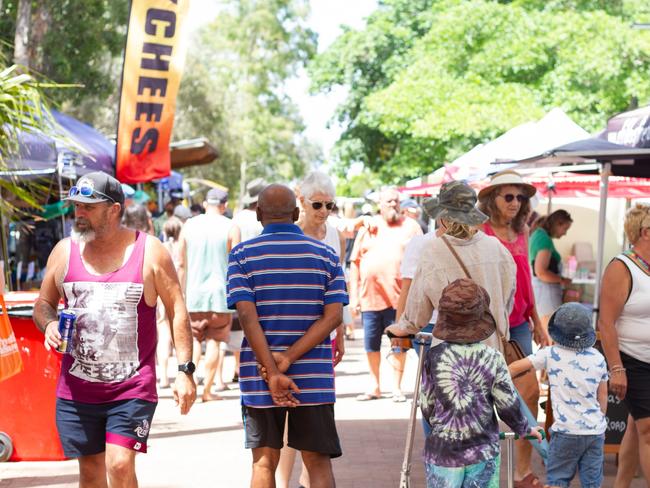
(481, 475)
(461, 387)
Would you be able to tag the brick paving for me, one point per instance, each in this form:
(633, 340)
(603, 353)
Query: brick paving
(205, 448)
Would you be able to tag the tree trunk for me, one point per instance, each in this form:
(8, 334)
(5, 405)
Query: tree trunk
(21, 41)
(40, 26)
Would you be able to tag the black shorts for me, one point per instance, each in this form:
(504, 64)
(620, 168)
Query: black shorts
(311, 428)
(637, 397)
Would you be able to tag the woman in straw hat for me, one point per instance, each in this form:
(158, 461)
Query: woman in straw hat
(506, 201)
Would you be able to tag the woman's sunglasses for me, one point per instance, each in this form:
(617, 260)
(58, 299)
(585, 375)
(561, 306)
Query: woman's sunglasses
(87, 191)
(509, 197)
(319, 205)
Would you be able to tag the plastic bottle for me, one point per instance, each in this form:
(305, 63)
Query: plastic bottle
(572, 265)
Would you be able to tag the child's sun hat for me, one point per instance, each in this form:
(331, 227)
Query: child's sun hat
(571, 326)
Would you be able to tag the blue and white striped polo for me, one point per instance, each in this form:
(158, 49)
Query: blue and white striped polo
(290, 277)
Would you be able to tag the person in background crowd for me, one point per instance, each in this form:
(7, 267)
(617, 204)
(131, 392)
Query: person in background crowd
(172, 230)
(196, 209)
(412, 256)
(412, 210)
(291, 313)
(375, 284)
(175, 198)
(137, 217)
(246, 219)
(205, 243)
(111, 277)
(578, 378)
(182, 213)
(506, 201)
(625, 337)
(547, 262)
(463, 382)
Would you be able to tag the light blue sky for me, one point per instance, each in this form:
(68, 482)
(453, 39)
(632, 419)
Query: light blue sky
(326, 18)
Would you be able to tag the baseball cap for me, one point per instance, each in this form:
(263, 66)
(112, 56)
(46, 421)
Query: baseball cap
(96, 187)
(216, 195)
(182, 212)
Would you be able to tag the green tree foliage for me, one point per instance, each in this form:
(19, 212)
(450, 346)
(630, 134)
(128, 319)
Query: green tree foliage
(232, 90)
(72, 42)
(472, 70)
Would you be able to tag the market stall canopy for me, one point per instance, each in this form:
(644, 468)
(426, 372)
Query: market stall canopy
(625, 160)
(629, 128)
(520, 142)
(192, 152)
(41, 156)
(559, 185)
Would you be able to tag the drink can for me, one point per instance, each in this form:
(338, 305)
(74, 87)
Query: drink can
(66, 329)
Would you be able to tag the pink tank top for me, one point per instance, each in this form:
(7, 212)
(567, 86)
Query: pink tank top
(524, 300)
(114, 342)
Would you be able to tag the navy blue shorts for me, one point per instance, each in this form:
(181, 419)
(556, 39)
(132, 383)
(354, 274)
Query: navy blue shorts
(86, 428)
(374, 324)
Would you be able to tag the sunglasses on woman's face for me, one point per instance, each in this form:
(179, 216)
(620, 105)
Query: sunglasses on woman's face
(319, 205)
(509, 197)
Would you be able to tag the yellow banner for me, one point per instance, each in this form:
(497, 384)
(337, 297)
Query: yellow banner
(153, 65)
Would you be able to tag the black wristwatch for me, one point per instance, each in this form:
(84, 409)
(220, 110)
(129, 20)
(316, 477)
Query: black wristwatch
(188, 368)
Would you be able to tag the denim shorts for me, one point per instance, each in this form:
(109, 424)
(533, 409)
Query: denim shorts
(524, 336)
(570, 452)
(374, 323)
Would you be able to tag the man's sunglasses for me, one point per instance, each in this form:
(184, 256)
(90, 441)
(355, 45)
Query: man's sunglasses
(87, 191)
(319, 205)
(509, 197)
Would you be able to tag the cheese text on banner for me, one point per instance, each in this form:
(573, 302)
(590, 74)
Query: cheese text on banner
(153, 65)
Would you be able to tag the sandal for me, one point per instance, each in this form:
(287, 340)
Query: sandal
(365, 397)
(399, 398)
(529, 481)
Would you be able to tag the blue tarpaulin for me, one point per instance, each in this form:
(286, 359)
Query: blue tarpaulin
(40, 155)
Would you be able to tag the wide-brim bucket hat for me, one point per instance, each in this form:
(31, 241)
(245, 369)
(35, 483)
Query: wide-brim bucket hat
(571, 326)
(464, 315)
(507, 177)
(455, 202)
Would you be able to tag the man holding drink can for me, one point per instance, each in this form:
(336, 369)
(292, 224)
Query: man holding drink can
(110, 278)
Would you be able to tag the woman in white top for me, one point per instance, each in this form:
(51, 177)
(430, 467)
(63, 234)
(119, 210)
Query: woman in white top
(624, 324)
(316, 195)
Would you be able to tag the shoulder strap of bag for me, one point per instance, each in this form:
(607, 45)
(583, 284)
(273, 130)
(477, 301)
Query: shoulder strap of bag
(453, 251)
(462, 265)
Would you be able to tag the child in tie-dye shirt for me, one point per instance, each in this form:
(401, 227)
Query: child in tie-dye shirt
(577, 376)
(463, 382)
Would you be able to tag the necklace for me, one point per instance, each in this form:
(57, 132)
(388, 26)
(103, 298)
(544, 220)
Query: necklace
(640, 262)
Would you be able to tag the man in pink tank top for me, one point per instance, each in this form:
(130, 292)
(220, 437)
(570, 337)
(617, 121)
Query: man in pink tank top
(111, 278)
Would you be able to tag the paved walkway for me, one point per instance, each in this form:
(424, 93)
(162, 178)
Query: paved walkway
(205, 448)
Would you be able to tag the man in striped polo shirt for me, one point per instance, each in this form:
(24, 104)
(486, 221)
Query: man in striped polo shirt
(289, 292)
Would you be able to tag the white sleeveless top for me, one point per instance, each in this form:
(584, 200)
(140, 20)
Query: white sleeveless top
(633, 326)
(332, 238)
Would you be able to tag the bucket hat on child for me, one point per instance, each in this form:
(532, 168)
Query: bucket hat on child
(456, 202)
(464, 313)
(571, 326)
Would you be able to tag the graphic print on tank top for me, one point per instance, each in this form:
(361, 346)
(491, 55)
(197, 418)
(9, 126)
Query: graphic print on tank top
(105, 343)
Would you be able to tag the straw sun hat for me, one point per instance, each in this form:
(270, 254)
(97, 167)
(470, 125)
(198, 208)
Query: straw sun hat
(508, 177)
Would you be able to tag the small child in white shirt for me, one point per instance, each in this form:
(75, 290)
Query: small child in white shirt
(577, 375)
